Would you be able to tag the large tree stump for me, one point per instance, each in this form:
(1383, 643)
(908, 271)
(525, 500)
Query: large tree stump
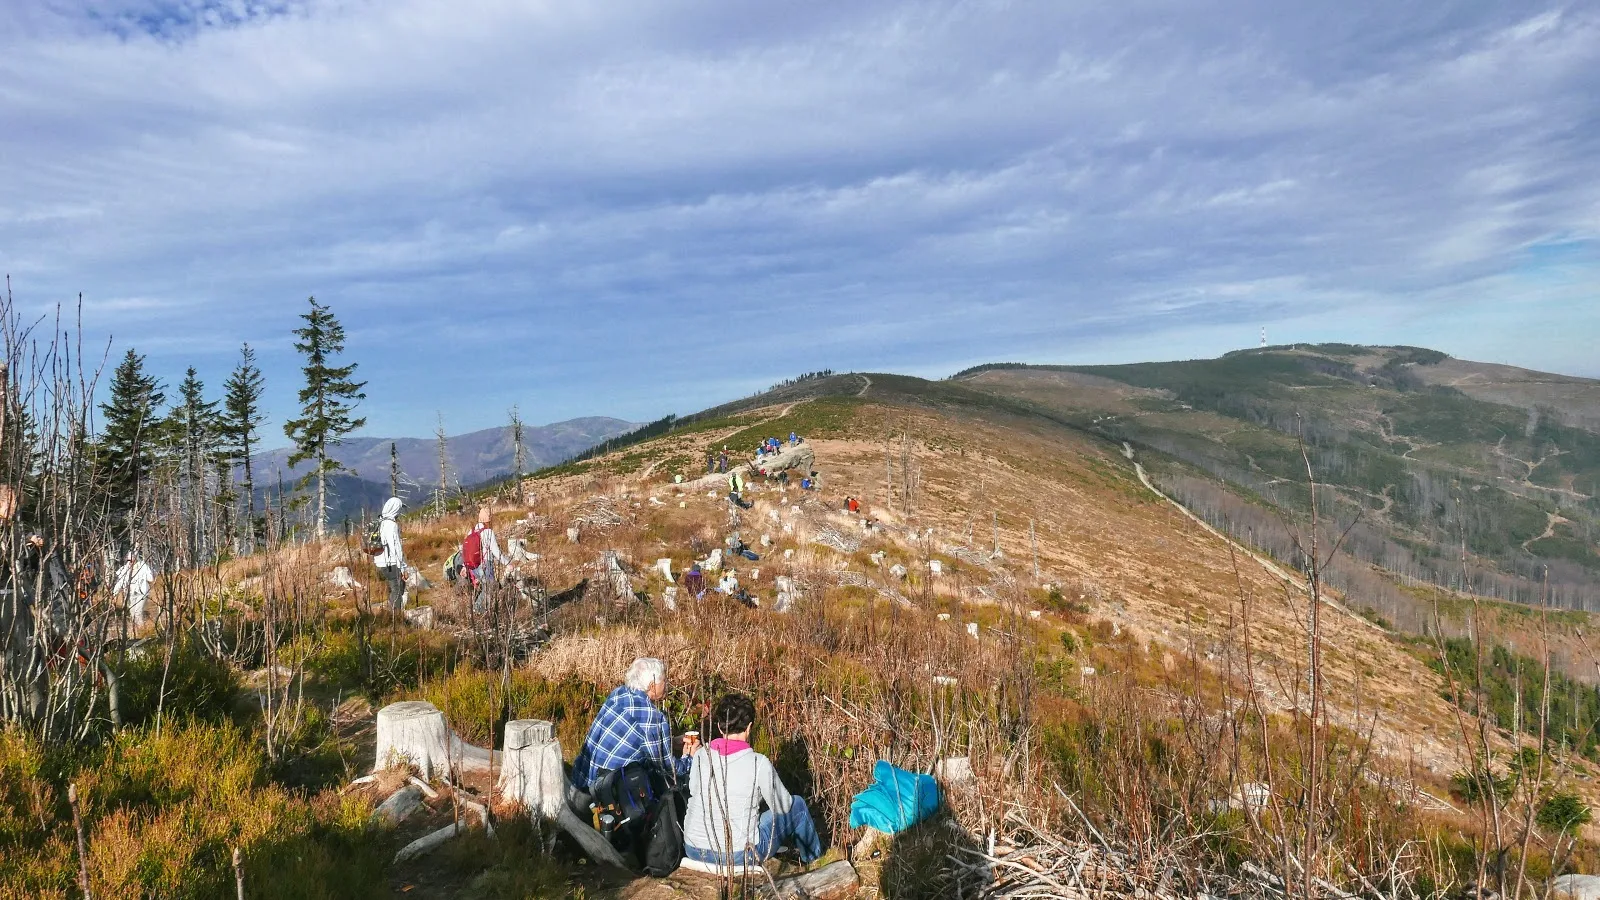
(413, 732)
(530, 769)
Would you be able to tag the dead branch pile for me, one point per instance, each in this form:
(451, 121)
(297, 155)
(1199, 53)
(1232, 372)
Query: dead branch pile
(597, 512)
(1029, 861)
(829, 536)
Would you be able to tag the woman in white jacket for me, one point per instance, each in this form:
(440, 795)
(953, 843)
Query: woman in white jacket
(728, 782)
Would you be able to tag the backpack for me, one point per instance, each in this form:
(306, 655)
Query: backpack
(472, 549)
(663, 848)
(372, 541)
(452, 567)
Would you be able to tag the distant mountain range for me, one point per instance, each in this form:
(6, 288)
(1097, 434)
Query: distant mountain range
(474, 458)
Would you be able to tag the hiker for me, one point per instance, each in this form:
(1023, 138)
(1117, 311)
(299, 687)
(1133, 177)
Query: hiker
(728, 783)
(132, 584)
(794, 439)
(736, 491)
(694, 582)
(711, 462)
(629, 732)
(722, 463)
(854, 505)
(391, 559)
(480, 552)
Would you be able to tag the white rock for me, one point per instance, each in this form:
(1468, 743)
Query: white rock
(399, 807)
(572, 535)
(713, 561)
(669, 598)
(766, 540)
(945, 681)
(1086, 671)
(664, 566)
(682, 505)
(788, 554)
(421, 616)
(956, 770)
(341, 578)
(897, 570)
(944, 617)
(1578, 887)
(785, 601)
(755, 574)
(1033, 614)
(936, 567)
(877, 558)
(1254, 796)
(772, 514)
(972, 629)
(788, 528)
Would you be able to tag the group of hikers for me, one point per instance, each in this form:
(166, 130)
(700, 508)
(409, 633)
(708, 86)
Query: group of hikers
(772, 446)
(720, 803)
(477, 559)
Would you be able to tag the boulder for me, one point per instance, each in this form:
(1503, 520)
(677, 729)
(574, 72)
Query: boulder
(897, 570)
(340, 577)
(664, 566)
(1578, 887)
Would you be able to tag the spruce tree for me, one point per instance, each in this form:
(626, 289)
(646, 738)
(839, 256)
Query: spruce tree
(131, 433)
(242, 417)
(194, 433)
(327, 404)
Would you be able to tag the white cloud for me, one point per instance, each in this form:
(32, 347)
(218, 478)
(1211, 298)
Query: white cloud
(701, 186)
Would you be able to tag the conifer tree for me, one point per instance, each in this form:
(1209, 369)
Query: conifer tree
(131, 433)
(327, 403)
(194, 430)
(242, 419)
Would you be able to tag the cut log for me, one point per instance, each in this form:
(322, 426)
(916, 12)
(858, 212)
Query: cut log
(530, 770)
(399, 807)
(413, 732)
(834, 881)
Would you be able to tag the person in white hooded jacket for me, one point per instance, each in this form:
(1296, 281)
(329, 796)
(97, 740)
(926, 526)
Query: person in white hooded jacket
(729, 782)
(391, 562)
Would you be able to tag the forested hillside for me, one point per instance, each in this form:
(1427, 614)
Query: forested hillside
(1418, 468)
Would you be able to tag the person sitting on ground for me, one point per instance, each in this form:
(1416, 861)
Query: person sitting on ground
(728, 782)
(736, 491)
(694, 582)
(629, 729)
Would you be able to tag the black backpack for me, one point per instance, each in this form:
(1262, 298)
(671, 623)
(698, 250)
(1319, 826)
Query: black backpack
(662, 848)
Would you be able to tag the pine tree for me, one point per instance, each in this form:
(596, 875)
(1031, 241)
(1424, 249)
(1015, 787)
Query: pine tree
(194, 432)
(242, 419)
(131, 435)
(327, 404)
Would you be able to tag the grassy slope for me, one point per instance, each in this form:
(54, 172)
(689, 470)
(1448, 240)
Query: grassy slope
(1454, 466)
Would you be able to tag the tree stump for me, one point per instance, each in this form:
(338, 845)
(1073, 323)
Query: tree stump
(530, 769)
(413, 732)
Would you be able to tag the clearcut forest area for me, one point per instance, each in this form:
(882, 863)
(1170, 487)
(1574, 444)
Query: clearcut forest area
(1084, 599)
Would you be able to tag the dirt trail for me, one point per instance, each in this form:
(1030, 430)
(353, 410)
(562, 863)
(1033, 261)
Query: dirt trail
(1265, 563)
(866, 383)
(1549, 530)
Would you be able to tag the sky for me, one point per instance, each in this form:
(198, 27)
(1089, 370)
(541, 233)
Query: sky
(635, 208)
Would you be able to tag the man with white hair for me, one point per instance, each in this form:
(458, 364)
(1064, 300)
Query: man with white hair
(630, 728)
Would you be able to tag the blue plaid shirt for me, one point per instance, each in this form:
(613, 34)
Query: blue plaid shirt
(629, 728)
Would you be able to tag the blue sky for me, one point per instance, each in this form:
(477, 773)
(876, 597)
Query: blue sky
(636, 208)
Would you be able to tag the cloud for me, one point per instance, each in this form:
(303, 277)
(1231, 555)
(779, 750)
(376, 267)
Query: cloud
(592, 208)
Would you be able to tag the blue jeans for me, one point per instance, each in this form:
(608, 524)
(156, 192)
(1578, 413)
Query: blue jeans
(795, 829)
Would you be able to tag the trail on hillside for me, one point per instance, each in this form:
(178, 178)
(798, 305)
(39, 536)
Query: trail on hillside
(1265, 563)
(866, 382)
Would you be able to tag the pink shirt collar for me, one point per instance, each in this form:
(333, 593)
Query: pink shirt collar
(728, 746)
